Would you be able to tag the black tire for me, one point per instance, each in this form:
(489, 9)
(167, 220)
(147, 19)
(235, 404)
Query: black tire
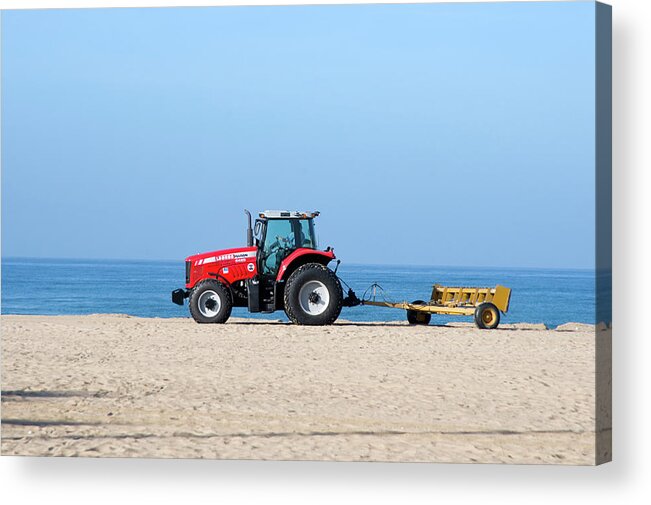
(417, 316)
(210, 302)
(307, 306)
(487, 316)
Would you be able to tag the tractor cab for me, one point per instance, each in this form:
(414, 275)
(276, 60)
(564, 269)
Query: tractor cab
(278, 234)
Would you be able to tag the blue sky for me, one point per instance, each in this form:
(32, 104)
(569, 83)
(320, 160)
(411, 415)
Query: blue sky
(449, 134)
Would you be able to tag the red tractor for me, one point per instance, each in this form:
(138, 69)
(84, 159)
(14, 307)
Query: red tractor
(279, 269)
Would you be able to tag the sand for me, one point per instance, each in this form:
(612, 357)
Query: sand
(121, 386)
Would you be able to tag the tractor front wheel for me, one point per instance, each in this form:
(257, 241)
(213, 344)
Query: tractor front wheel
(487, 316)
(313, 295)
(210, 302)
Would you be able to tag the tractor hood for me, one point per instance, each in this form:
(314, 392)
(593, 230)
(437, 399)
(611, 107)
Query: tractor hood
(230, 255)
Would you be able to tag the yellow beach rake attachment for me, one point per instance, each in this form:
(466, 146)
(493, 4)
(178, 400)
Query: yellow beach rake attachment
(468, 298)
(485, 304)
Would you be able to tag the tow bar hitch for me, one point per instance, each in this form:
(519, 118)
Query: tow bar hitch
(351, 299)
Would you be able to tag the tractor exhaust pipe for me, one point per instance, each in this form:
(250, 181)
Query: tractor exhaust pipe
(249, 231)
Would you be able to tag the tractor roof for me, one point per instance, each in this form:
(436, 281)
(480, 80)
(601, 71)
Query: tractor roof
(288, 214)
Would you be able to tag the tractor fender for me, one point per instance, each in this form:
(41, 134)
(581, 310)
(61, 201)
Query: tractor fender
(301, 257)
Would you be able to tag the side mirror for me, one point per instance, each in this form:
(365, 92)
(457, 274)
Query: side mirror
(258, 225)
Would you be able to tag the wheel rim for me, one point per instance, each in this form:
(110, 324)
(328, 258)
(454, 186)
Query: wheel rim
(314, 298)
(488, 316)
(209, 303)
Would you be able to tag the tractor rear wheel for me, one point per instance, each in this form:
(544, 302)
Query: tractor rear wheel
(313, 295)
(418, 316)
(210, 302)
(487, 316)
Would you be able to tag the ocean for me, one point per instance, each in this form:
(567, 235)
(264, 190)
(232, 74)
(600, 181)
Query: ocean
(142, 288)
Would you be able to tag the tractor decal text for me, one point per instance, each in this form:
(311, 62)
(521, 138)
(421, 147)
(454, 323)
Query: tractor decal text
(225, 257)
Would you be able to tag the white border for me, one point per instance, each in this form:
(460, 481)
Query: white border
(626, 480)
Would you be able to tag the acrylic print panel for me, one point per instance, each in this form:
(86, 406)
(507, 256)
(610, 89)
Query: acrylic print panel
(459, 155)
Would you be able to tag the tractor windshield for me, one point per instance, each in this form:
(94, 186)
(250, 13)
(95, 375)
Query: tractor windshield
(282, 237)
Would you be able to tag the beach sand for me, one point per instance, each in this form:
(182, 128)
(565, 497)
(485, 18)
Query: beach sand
(121, 386)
